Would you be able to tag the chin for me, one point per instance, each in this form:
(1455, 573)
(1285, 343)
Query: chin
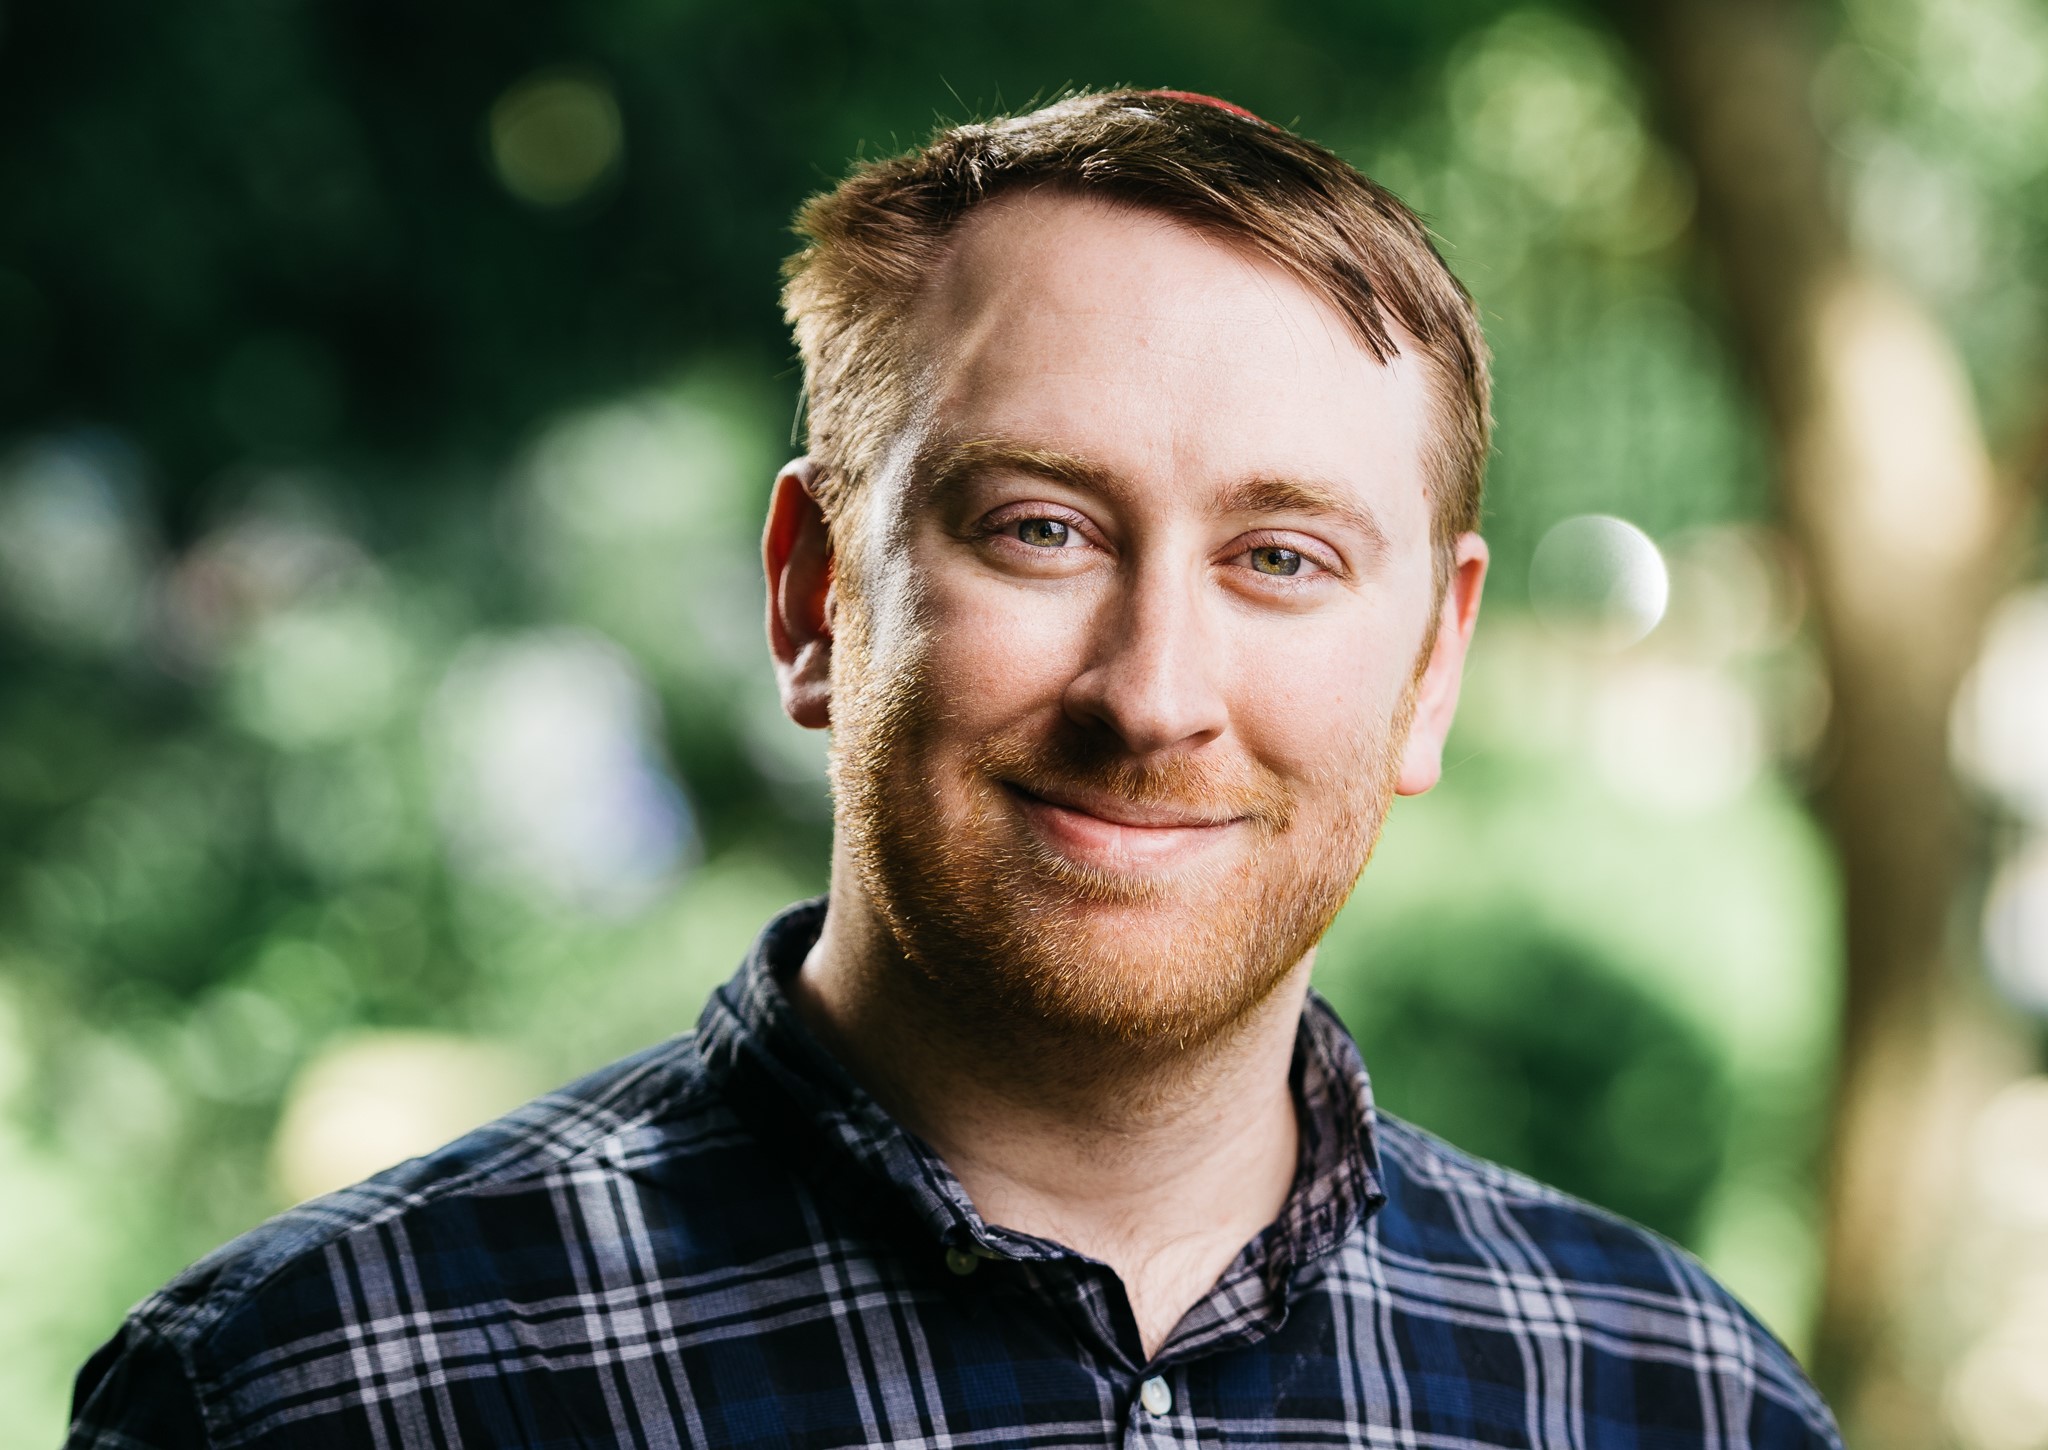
(1034, 922)
(1030, 943)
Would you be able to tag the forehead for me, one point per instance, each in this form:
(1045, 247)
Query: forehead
(1164, 354)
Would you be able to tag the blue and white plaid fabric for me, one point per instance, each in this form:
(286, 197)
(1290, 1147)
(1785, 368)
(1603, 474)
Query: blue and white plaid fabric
(723, 1241)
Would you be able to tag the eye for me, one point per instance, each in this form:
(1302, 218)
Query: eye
(1272, 559)
(1042, 533)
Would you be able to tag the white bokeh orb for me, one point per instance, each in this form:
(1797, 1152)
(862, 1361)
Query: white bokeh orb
(2000, 729)
(2016, 928)
(1599, 580)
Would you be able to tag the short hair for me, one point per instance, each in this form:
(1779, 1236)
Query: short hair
(876, 242)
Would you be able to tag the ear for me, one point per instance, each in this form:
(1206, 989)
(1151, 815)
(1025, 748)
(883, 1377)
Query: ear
(1436, 692)
(796, 551)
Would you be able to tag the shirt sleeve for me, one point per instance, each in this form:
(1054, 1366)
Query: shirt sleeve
(1787, 1413)
(135, 1394)
(1779, 1428)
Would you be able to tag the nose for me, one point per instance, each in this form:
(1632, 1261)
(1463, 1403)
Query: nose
(1150, 679)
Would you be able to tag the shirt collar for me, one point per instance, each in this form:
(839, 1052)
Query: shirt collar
(785, 1085)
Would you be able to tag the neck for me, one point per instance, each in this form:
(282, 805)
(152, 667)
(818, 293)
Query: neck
(1160, 1161)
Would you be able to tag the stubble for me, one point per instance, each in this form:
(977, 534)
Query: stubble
(1020, 942)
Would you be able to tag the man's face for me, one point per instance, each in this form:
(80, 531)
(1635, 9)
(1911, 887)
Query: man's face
(1129, 631)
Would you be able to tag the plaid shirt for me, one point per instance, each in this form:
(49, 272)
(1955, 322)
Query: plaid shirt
(724, 1241)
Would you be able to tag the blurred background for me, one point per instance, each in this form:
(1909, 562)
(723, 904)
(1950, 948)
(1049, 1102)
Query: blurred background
(388, 399)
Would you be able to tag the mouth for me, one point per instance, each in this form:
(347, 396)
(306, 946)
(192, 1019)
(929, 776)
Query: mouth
(1114, 834)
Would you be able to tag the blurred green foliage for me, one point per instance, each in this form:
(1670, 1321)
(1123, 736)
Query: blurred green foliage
(1530, 1049)
(388, 396)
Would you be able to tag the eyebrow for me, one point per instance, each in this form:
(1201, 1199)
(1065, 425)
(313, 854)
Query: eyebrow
(1272, 494)
(952, 466)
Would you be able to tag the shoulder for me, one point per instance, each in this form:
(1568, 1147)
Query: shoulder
(1474, 1237)
(578, 1128)
(434, 1236)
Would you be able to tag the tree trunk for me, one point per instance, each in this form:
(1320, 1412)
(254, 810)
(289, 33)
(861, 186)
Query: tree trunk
(1908, 536)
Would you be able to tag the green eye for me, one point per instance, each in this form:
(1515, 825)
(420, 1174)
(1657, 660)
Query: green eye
(1271, 560)
(1043, 533)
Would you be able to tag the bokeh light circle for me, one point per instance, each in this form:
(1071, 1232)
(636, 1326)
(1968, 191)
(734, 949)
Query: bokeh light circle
(2016, 929)
(1599, 579)
(555, 136)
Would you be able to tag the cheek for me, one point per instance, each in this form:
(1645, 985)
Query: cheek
(998, 652)
(986, 649)
(1312, 698)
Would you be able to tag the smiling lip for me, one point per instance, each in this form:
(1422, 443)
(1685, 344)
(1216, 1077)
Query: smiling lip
(1113, 833)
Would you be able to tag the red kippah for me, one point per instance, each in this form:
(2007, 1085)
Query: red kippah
(1196, 98)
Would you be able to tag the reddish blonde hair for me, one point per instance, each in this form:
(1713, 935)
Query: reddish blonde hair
(875, 242)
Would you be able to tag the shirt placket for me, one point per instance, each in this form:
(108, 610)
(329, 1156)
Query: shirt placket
(1161, 1412)
(1157, 1398)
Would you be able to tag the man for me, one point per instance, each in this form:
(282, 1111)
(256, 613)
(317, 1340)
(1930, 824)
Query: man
(1133, 568)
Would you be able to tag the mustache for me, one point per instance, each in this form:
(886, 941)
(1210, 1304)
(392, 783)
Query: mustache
(1096, 763)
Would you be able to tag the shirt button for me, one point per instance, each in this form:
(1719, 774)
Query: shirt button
(962, 1261)
(1155, 1396)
